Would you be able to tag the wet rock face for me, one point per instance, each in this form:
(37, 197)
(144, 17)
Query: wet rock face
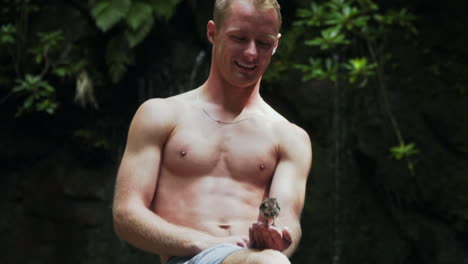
(53, 209)
(447, 124)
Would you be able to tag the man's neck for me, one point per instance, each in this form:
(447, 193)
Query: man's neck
(228, 98)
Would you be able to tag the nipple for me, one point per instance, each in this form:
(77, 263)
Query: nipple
(261, 166)
(183, 153)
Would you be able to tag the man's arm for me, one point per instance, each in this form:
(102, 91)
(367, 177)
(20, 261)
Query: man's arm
(288, 187)
(137, 179)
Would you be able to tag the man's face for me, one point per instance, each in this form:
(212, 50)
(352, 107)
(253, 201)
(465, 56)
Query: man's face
(244, 43)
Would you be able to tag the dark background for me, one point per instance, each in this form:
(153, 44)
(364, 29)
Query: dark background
(57, 172)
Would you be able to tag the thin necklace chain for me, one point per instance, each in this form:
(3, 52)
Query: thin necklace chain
(215, 119)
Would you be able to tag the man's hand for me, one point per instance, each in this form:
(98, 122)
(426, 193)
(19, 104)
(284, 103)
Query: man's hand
(264, 236)
(241, 241)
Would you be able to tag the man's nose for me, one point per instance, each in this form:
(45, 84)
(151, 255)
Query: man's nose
(251, 49)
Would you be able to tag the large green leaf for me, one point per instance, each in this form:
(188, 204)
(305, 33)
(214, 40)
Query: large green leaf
(164, 9)
(139, 14)
(135, 36)
(118, 57)
(108, 13)
(140, 21)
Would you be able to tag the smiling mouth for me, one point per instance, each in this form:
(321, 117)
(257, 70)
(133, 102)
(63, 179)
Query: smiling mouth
(246, 67)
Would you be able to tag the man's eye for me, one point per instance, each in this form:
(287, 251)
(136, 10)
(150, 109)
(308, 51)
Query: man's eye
(265, 44)
(238, 38)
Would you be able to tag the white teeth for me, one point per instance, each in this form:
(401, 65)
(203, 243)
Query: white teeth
(245, 66)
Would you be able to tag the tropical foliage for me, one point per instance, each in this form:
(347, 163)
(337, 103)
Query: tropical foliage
(380, 86)
(39, 54)
(351, 39)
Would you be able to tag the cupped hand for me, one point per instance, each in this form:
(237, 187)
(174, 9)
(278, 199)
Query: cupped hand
(263, 236)
(241, 241)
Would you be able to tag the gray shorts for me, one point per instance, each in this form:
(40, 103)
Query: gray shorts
(212, 255)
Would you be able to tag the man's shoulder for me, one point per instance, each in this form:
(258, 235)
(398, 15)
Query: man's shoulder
(281, 124)
(158, 113)
(288, 133)
(293, 141)
(169, 105)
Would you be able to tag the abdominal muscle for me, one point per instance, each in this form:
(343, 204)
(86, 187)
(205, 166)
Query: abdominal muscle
(217, 205)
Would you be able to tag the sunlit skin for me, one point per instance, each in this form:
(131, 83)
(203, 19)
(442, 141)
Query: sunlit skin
(187, 183)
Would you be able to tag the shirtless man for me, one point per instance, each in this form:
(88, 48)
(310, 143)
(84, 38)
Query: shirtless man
(198, 165)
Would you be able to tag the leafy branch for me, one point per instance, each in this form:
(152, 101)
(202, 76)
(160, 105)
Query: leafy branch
(134, 20)
(38, 57)
(338, 27)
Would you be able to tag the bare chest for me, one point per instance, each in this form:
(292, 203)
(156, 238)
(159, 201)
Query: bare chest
(244, 151)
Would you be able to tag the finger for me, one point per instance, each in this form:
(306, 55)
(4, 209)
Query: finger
(277, 235)
(276, 238)
(260, 243)
(253, 243)
(268, 236)
(287, 234)
(271, 235)
(244, 241)
(261, 218)
(275, 230)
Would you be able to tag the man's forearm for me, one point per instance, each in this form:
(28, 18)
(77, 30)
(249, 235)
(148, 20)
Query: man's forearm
(146, 230)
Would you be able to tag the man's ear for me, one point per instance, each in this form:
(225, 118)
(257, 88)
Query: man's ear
(276, 43)
(211, 31)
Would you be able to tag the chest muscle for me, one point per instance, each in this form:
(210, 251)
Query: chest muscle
(242, 152)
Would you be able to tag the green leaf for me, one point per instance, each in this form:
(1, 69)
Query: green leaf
(47, 87)
(304, 13)
(40, 95)
(7, 34)
(319, 69)
(8, 29)
(314, 42)
(100, 8)
(138, 15)
(31, 79)
(330, 38)
(28, 102)
(60, 71)
(403, 151)
(7, 39)
(18, 88)
(118, 57)
(359, 69)
(134, 37)
(164, 9)
(108, 13)
(141, 26)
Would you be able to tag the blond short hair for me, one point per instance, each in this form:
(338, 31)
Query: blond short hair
(221, 6)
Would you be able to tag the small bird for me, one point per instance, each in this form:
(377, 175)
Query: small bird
(269, 209)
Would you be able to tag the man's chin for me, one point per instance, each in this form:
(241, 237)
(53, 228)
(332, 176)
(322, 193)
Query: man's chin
(245, 83)
(246, 78)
